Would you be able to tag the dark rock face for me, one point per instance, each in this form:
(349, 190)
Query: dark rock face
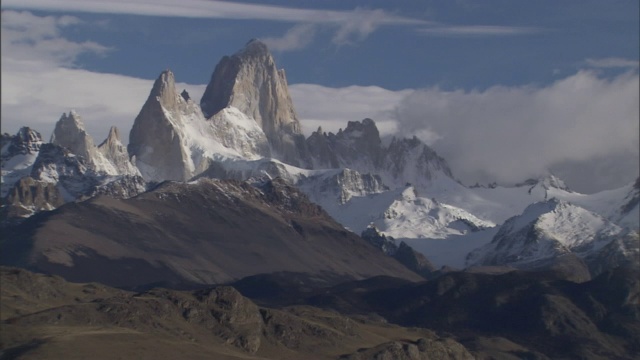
(29, 195)
(250, 81)
(359, 147)
(414, 260)
(403, 253)
(387, 244)
(26, 141)
(359, 143)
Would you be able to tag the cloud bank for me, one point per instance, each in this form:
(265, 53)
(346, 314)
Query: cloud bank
(583, 127)
(507, 134)
(348, 26)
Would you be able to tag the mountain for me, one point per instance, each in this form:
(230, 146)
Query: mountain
(39, 176)
(204, 232)
(517, 315)
(245, 128)
(360, 148)
(110, 158)
(17, 155)
(547, 230)
(404, 253)
(157, 142)
(250, 82)
(116, 155)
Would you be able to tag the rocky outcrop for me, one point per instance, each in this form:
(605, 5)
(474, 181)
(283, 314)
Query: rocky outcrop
(250, 82)
(422, 349)
(29, 196)
(155, 142)
(403, 253)
(71, 134)
(58, 165)
(116, 154)
(122, 187)
(17, 156)
(414, 260)
(359, 147)
(341, 185)
(412, 161)
(109, 158)
(26, 141)
(387, 244)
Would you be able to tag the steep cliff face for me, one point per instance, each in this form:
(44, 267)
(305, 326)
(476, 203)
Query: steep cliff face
(110, 158)
(250, 82)
(116, 154)
(155, 140)
(71, 134)
(359, 147)
(172, 140)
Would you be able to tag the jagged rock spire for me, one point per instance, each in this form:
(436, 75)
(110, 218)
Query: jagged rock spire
(250, 81)
(116, 154)
(155, 141)
(71, 134)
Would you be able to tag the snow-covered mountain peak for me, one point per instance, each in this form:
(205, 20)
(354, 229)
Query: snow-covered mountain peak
(544, 231)
(26, 141)
(17, 155)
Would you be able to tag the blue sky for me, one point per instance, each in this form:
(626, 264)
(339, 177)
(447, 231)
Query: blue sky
(465, 76)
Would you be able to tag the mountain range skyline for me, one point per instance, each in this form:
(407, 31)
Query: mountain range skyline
(59, 56)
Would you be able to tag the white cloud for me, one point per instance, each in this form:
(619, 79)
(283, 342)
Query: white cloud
(348, 25)
(206, 9)
(507, 134)
(585, 122)
(331, 108)
(296, 38)
(29, 40)
(612, 62)
(477, 30)
(359, 26)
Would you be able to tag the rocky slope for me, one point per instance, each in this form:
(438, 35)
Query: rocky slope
(209, 231)
(517, 315)
(43, 317)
